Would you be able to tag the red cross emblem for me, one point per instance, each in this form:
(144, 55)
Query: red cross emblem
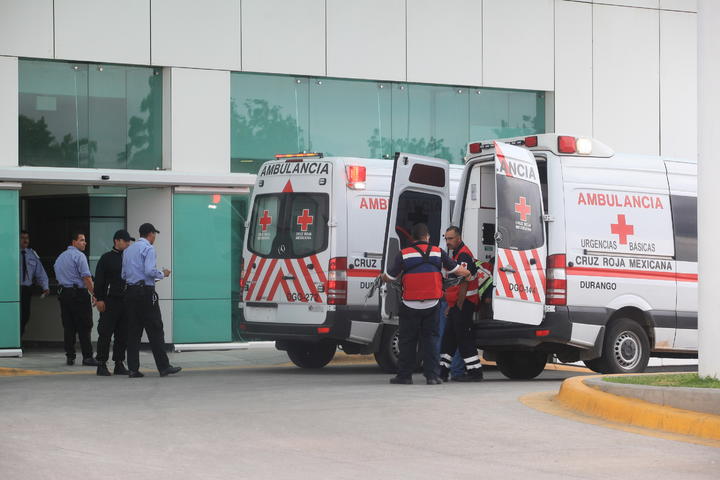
(523, 209)
(265, 220)
(305, 220)
(622, 229)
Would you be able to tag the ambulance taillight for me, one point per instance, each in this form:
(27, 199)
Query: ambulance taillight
(566, 144)
(337, 285)
(556, 287)
(531, 142)
(475, 148)
(356, 176)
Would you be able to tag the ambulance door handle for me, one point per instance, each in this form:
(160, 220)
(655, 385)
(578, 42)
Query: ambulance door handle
(288, 277)
(310, 266)
(507, 269)
(532, 261)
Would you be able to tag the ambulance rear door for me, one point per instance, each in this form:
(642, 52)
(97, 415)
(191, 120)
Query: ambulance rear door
(521, 247)
(420, 193)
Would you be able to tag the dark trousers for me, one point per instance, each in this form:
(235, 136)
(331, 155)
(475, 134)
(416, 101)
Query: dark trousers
(459, 335)
(418, 325)
(25, 298)
(143, 312)
(76, 315)
(112, 323)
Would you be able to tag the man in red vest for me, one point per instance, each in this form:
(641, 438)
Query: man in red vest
(462, 303)
(421, 267)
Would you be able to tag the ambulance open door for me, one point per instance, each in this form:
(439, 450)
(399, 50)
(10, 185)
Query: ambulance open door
(520, 240)
(420, 193)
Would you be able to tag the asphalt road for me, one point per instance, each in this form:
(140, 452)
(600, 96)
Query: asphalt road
(342, 422)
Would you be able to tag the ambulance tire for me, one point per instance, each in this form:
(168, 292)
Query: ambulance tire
(626, 348)
(521, 365)
(311, 355)
(387, 356)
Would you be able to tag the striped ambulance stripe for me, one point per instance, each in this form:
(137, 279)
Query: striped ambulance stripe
(270, 276)
(518, 277)
(503, 277)
(530, 275)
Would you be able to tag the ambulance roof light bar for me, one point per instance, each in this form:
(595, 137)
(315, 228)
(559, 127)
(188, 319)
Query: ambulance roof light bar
(297, 157)
(560, 144)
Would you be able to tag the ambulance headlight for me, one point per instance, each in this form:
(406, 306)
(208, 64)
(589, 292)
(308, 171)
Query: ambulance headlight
(584, 146)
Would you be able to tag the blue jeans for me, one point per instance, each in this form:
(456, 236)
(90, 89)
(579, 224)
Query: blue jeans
(458, 365)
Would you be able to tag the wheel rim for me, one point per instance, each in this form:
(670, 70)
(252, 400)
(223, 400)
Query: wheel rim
(395, 345)
(628, 350)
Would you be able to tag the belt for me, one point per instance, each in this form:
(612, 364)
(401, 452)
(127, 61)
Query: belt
(139, 285)
(74, 287)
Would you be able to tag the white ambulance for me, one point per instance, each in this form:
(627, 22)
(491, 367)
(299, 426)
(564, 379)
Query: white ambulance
(313, 248)
(595, 253)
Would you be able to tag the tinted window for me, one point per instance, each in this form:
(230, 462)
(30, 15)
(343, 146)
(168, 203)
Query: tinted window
(520, 224)
(684, 211)
(289, 225)
(415, 207)
(427, 175)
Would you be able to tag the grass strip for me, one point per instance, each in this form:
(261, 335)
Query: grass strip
(668, 380)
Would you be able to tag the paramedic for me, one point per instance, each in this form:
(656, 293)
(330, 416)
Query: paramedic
(421, 265)
(462, 302)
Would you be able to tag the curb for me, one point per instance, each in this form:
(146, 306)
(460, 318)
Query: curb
(575, 394)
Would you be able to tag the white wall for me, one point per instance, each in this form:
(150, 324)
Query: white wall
(678, 84)
(518, 44)
(103, 30)
(626, 111)
(444, 42)
(198, 34)
(366, 39)
(284, 36)
(573, 68)
(8, 111)
(198, 122)
(26, 28)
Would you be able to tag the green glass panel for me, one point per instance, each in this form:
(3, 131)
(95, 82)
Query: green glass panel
(431, 120)
(9, 243)
(10, 325)
(96, 116)
(350, 117)
(208, 232)
(268, 115)
(505, 113)
(53, 123)
(198, 321)
(9, 270)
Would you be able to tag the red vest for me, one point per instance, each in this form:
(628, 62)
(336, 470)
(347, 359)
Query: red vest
(421, 278)
(452, 293)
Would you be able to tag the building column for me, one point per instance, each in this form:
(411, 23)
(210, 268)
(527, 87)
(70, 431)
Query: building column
(8, 111)
(708, 193)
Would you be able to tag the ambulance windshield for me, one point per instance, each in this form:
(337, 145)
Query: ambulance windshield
(519, 213)
(289, 225)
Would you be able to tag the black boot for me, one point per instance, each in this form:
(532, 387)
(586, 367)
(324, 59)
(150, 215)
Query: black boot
(89, 362)
(120, 369)
(474, 375)
(136, 374)
(102, 370)
(444, 373)
(70, 360)
(398, 380)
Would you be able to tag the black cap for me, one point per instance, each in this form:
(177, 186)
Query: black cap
(147, 228)
(123, 235)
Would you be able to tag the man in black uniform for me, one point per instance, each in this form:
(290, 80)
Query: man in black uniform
(110, 302)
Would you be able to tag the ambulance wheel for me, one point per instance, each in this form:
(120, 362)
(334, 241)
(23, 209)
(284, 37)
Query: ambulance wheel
(311, 355)
(388, 355)
(521, 365)
(626, 348)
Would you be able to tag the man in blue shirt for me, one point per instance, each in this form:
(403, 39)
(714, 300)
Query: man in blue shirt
(31, 273)
(75, 288)
(140, 272)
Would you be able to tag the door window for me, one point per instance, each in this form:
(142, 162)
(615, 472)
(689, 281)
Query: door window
(519, 214)
(414, 208)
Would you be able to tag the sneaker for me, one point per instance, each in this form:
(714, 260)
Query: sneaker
(102, 371)
(476, 376)
(434, 381)
(120, 369)
(401, 380)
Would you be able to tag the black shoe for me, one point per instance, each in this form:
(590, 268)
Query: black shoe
(90, 362)
(434, 381)
(102, 370)
(136, 374)
(444, 378)
(120, 369)
(170, 371)
(475, 376)
(401, 381)
(70, 361)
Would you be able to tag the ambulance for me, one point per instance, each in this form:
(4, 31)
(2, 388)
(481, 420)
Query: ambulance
(594, 252)
(312, 250)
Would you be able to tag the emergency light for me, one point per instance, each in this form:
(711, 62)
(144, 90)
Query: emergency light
(356, 176)
(297, 157)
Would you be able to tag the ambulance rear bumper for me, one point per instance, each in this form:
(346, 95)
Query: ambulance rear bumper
(553, 333)
(337, 326)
